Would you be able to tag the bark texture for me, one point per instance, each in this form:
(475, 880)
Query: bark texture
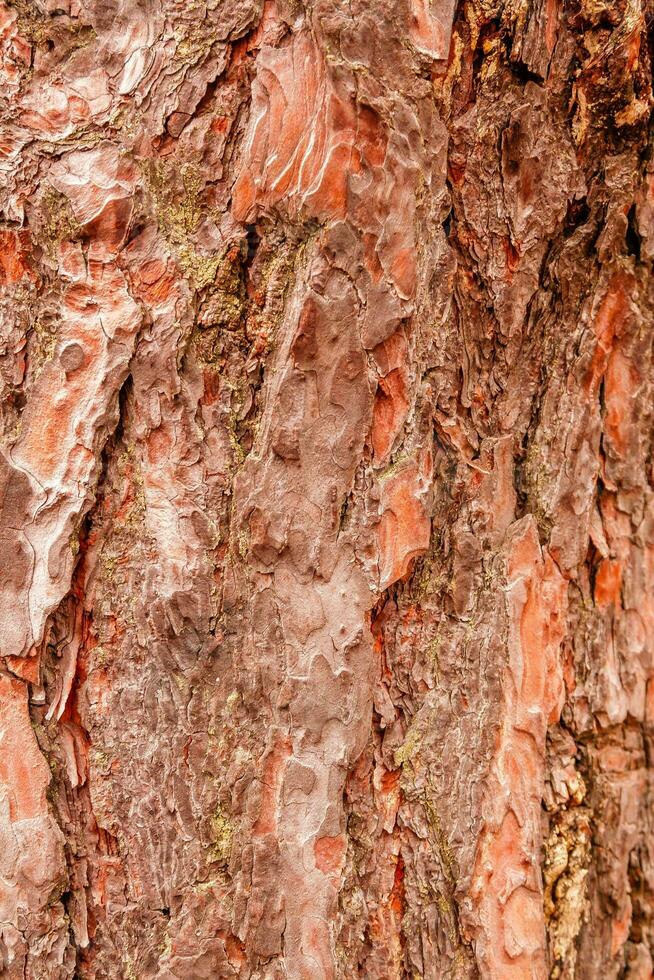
(326, 489)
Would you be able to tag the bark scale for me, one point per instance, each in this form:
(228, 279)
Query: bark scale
(327, 606)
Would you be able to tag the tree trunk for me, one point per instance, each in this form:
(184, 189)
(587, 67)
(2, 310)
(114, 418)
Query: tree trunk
(327, 606)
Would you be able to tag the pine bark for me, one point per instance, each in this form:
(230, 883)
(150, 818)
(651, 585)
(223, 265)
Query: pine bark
(326, 490)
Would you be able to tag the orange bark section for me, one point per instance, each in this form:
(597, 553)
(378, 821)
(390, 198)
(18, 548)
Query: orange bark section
(329, 853)
(24, 774)
(551, 24)
(155, 282)
(15, 50)
(83, 304)
(13, 256)
(391, 400)
(426, 31)
(507, 922)
(27, 668)
(609, 324)
(305, 143)
(405, 527)
(272, 775)
(621, 384)
(608, 583)
(389, 412)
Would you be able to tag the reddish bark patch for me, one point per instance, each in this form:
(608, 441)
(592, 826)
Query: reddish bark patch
(405, 528)
(27, 668)
(388, 413)
(301, 141)
(621, 383)
(610, 321)
(551, 24)
(234, 949)
(506, 922)
(14, 249)
(426, 31)
(397, 892)
(306, 140)
(608, 583)
(155, 284)
(272, 773)
(24, 774)
(329, 853)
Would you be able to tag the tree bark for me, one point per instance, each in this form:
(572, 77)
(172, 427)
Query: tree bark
(326, 488)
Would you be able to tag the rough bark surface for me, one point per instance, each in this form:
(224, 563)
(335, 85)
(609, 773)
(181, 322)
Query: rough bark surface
(326, 490)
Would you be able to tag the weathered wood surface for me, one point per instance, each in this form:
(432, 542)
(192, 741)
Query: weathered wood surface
(327, 567)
